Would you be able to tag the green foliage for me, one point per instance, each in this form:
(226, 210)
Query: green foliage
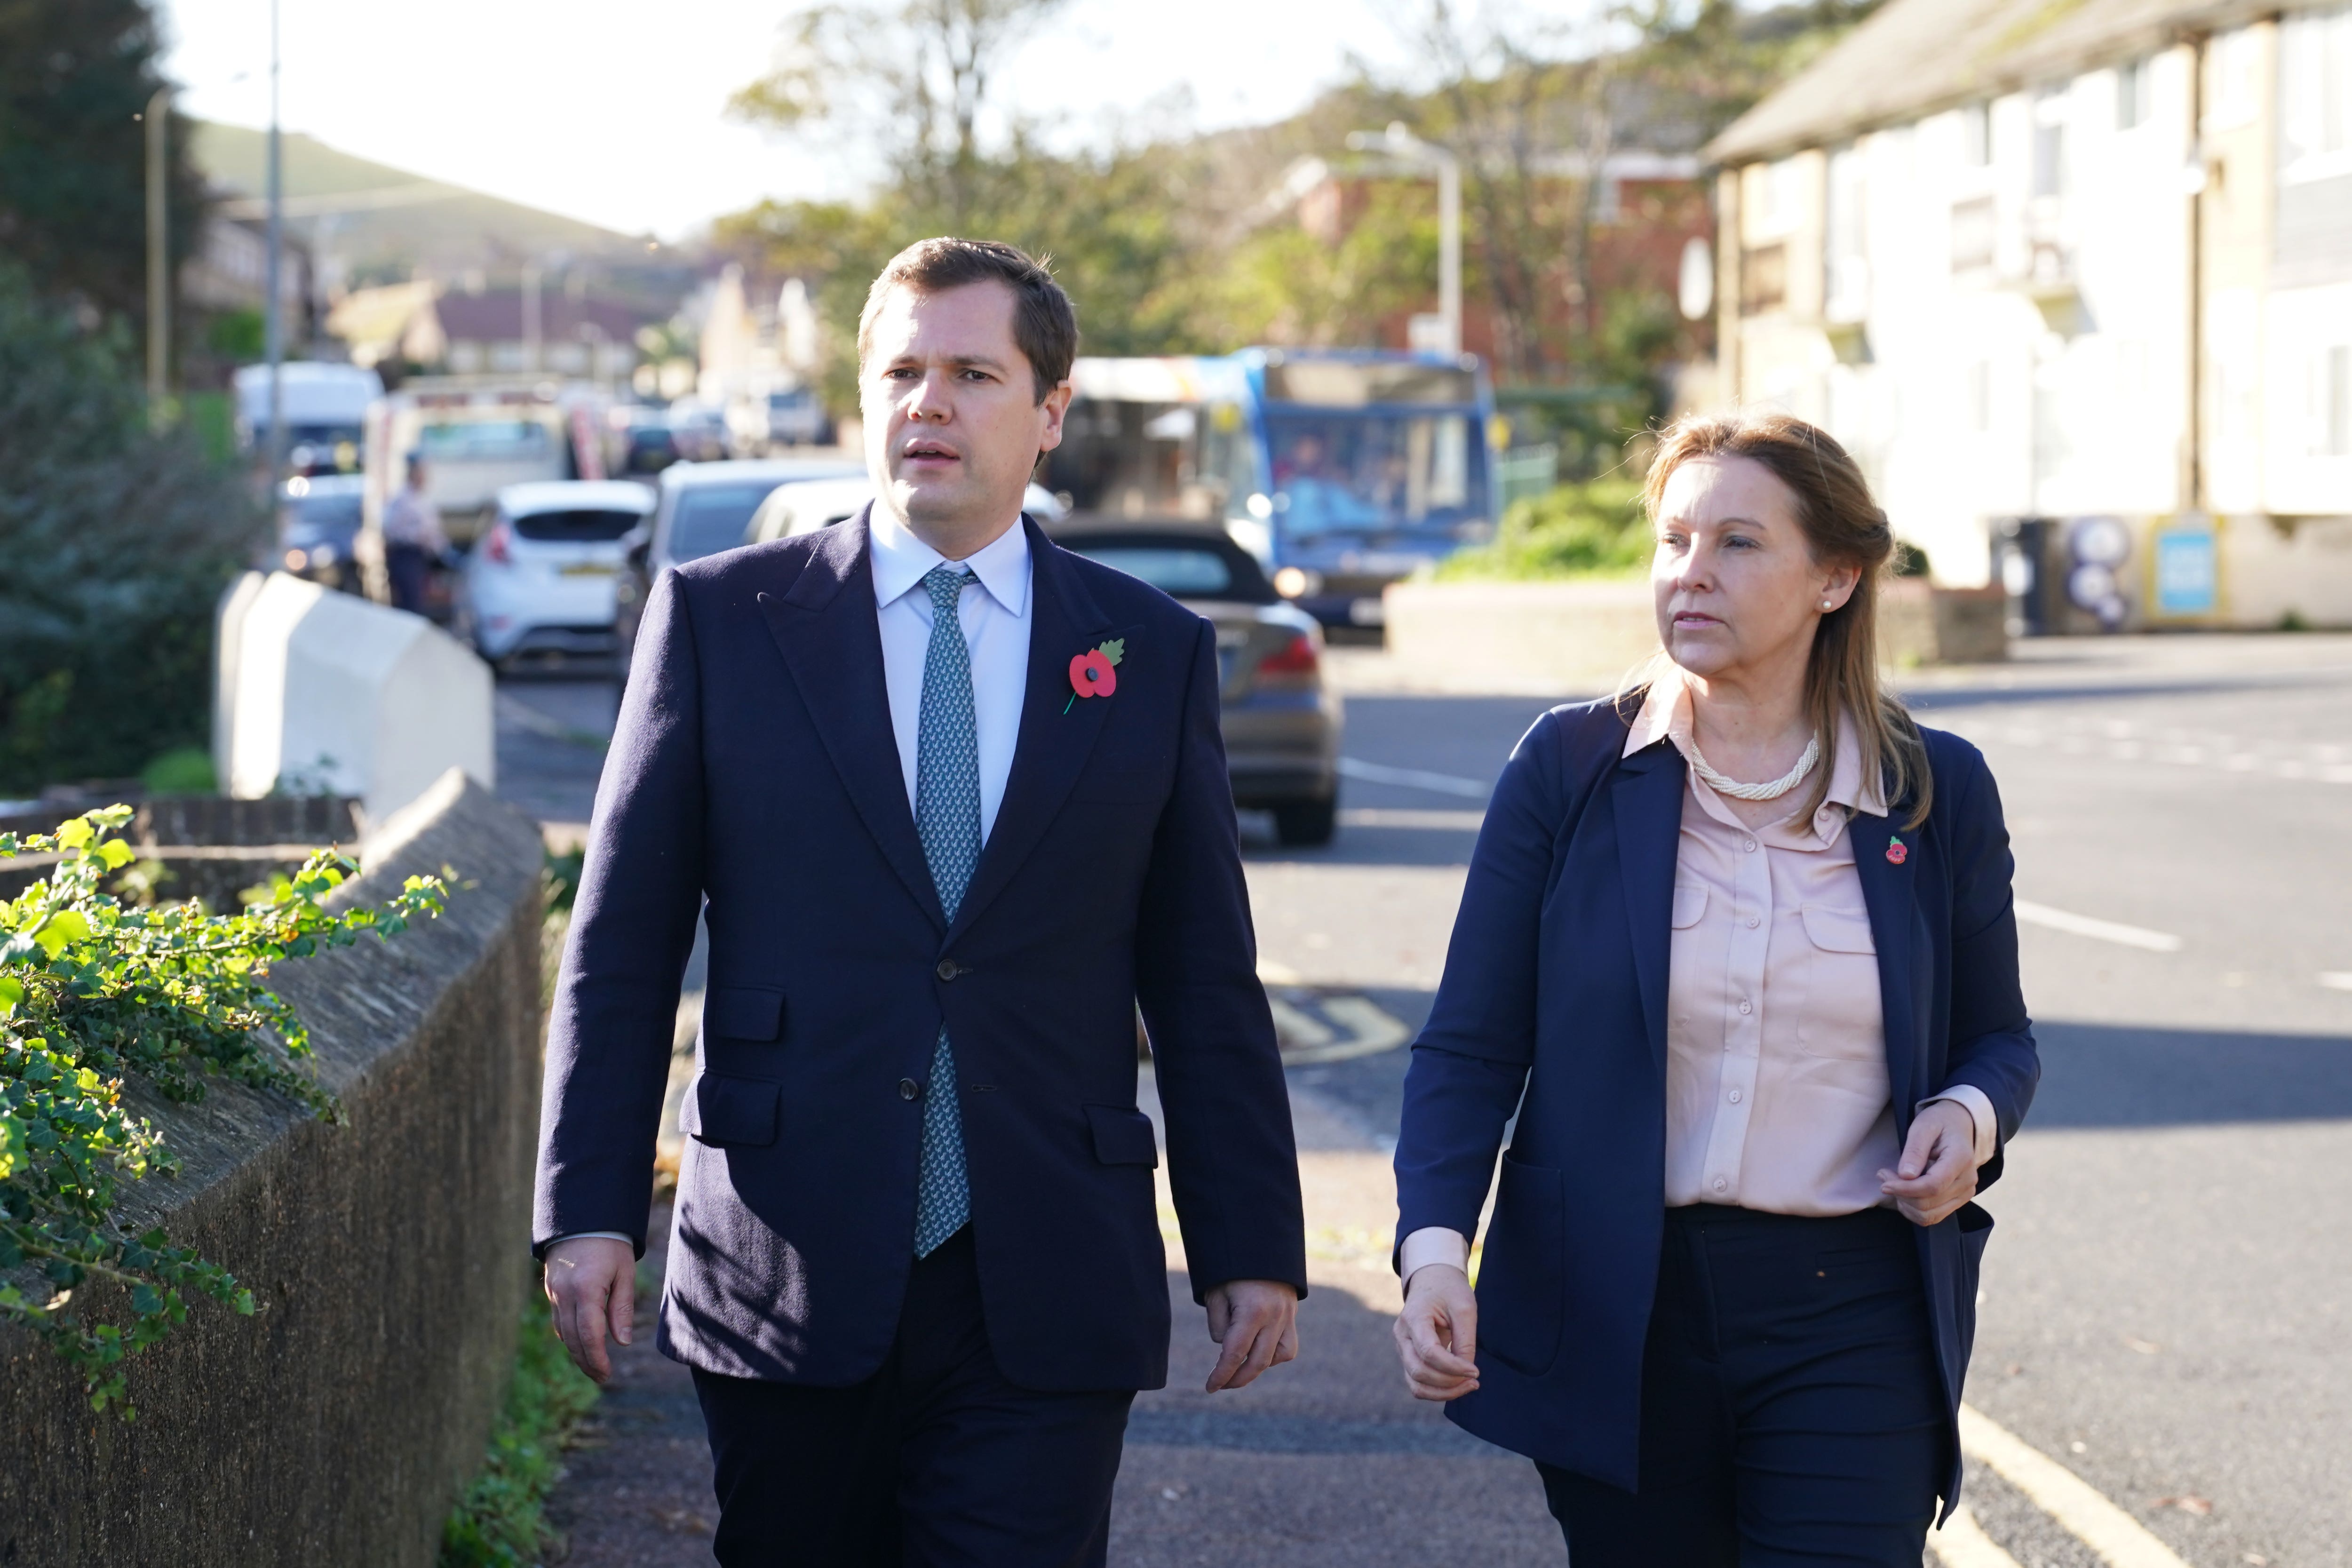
(186, 770)
(1592, 528)
(502, 1522)
(119, 543)
(238, 336)
(74, 79)
(97, 995)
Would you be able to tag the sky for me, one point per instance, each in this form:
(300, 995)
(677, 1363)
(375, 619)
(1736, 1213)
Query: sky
(613, 110)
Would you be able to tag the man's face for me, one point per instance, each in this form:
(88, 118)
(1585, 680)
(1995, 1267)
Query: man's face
(952, 424)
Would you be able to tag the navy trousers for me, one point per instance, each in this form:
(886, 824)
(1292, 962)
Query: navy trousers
(934, 1460)
(1791, 1408)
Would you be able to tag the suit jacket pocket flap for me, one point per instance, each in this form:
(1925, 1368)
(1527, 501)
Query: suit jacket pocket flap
(1123, 1137)
(732, 1112)
(743, 1013)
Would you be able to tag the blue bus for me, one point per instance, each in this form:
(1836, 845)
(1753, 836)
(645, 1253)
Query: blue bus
(1342, 471)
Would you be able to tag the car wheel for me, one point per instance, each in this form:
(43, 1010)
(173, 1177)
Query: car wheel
(1304, 823)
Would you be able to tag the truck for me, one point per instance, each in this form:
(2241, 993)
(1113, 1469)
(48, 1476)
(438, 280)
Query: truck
(325, 408)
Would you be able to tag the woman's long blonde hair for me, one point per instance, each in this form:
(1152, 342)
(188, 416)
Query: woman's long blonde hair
(1843, 526)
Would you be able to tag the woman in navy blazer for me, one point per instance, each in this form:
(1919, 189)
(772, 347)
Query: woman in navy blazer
(1705, 1377)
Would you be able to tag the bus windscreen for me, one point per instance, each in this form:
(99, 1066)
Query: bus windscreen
(1360, 384)
(1370, 474)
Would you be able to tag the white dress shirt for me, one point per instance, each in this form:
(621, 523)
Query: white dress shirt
(996, 622)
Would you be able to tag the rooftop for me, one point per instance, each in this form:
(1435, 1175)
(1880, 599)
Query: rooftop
(1914, 57)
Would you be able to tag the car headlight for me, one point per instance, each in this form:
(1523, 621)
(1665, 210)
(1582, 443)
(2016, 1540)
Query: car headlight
(296, 561)
(1297, 582)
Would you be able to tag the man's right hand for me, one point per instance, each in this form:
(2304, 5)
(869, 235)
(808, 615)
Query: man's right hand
(592, 1280)
(1438, 1333)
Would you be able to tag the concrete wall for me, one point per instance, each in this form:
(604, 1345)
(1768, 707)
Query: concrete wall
(326, 692)
(390, 1256)
(1584, 636)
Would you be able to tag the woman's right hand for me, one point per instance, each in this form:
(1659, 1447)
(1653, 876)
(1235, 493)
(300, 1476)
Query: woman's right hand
(1438, 1333)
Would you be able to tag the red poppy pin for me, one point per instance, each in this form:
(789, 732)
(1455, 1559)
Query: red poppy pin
(1095, 673)
(1896, 852)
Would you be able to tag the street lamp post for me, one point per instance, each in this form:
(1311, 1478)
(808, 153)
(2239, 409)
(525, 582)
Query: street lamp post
(273, 325)
(158, 257)
(1402, 145)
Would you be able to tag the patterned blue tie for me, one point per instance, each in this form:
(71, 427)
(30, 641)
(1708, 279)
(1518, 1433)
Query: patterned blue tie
(947, 815)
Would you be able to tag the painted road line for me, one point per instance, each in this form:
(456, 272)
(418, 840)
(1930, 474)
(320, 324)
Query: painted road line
(2337, 979)
(1962, 1543)
(1392, 816)
(2118, 1538)
(1348, 1026)
(2097, 929)
(1297, 1029)
(1412, 778)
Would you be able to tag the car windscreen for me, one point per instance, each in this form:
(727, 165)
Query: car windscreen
(581, 527)
(1179, 569)
(484, 441)
(327, 514)
(711, 517)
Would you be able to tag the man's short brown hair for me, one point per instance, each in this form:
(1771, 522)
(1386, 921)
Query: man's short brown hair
(1044, 323)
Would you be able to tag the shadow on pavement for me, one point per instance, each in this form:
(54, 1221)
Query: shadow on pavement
(1323, 1463)
(2107, 1074)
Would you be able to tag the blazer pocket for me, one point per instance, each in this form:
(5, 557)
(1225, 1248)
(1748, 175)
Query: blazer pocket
(1522, 1273)
(1123, 1137)
(743, 1013)
(732, 1112)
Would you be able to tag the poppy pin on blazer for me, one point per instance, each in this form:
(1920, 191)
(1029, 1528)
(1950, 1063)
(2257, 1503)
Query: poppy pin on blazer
(1896, 853)
(1095, 673)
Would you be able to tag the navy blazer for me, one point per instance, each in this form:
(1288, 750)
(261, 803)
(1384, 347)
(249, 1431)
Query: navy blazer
(754, 779)
(1556, 986)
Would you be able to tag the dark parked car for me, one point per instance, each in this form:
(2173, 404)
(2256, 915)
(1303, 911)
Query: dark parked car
(1282, 722)
(318, 520)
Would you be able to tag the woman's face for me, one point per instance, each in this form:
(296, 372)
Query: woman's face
(1737, 590)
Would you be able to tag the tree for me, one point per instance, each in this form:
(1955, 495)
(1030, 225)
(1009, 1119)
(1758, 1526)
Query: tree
(907, 78)
(117, 542)
(75, 76)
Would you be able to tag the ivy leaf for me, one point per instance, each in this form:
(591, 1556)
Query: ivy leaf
(73, 834)
(144, 1300)
(115, 853)
(11, 992)
(65, 926)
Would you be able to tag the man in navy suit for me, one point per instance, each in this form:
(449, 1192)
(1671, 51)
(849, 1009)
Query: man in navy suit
(952, 803)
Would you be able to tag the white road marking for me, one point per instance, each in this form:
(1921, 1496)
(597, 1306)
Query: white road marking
(1412, 778)
(2097, 929)
(2337, 979)
(1392, 816)
(1962, 1543)
(1297, 1029)
(2090, 1517)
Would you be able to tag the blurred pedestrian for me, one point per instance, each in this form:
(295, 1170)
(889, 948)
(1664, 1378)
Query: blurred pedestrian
(1768, 1056)
(412, 539)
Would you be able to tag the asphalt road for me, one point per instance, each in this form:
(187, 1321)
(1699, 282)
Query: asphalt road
(2165, 1299)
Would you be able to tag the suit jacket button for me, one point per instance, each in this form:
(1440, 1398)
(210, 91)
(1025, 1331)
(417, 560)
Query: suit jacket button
(909, 1089)
(949, 969)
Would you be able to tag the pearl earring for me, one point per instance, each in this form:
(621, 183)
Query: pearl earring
(1825, 603)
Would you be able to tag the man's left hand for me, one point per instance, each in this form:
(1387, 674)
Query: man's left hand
(1937, 1172)
(1256, 1321)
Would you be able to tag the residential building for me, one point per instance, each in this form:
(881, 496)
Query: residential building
(2074, 284)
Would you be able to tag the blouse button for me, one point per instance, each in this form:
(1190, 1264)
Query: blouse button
(1752, 923)
(1735, 1097)
(1747, 843)
(1744, 1007)
(1720, 1184)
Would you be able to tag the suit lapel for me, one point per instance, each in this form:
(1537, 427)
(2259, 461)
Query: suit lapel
(1887, 892)
(1056, 734)
(826, 627)
(1647, 795)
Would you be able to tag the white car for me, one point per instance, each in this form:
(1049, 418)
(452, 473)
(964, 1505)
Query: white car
(705, 508)
(541, 577)
(804, 507)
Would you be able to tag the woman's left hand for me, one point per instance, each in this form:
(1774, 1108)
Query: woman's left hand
(1937, 1172)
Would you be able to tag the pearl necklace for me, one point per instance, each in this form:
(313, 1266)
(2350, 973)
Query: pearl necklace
(1773, 791)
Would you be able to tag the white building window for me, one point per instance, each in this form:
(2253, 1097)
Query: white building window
(1846, 252)
(2049, 144)
(2132, 95)
(1976, 135)
(2331, 402)
(2315, 96)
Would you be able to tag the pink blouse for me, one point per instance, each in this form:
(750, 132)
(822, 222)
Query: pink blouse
(1777, 1090)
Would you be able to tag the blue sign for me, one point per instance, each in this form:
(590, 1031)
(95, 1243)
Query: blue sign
(2188, 572)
